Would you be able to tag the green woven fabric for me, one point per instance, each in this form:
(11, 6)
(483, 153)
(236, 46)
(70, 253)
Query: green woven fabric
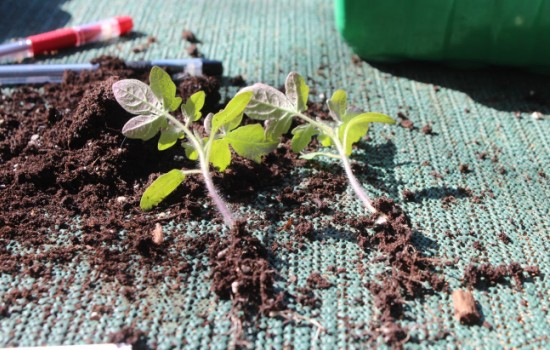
(470, 111)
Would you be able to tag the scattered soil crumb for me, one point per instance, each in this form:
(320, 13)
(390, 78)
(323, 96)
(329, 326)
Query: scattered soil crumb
(504, 238)
(485, 275)
(190, 37)
(464, 168)
(129, 335)
(408, 195)
(193, 51)
(410, 275)
(316, 281)
(407, 124)
(478, 246)
(306, 297)
(145, 46)
(483, 155)
(448, 200)
(241, 272)
(427, 129)
(237, 80)
(305, 229)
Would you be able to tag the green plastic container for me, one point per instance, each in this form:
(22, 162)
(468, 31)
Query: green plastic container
(463, 32)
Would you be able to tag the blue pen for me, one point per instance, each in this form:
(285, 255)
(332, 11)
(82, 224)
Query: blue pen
(17, 74)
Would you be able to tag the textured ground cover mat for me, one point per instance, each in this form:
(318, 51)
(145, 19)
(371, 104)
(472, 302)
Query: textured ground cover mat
(463, 177)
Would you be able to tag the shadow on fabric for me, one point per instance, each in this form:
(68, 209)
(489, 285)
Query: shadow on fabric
(27, 17)
(504, 89)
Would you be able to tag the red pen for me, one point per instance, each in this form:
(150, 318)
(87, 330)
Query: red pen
(66, 37)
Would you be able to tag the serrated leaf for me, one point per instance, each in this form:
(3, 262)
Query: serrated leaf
(220, 154)
(190, 151)
(161, 188)
(136, 97)
(275, 128)
(337, 105)
(351, 113)
(164, 88)
(302, 135)
(267, 103)
(143, 127)
(352, 131)
(249, 141)
(297, 91)
(192, 108)
(168, 137)
(325, 140)
(231, 116)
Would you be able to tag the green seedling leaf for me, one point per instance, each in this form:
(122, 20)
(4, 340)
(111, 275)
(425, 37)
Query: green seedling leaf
(161, 188)
(297, 91)
(325, 140)
(220, 154)
(168, 137)
(267, 103)
(190, 151)
(275, 128)
(337, 105)
(136, 97)
(302, 135)
(352, 131)
(249, 141)
(164, 88)
(143, 127)
(192, 108)
(231, 116)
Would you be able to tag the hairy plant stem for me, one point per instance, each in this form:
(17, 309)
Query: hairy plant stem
(204, 153)
(213, 192)
(355, 185)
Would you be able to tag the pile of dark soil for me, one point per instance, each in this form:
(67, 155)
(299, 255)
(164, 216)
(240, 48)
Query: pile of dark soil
(62, 157)
(65, 166)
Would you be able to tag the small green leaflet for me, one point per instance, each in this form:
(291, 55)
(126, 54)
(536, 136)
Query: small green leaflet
(190, 151)
(164, 88)
(168, 137)
(161, 188)
(192, 108)
(337, 105)
(325, 140)
(297, 91)
(301, 137)
(137, 97)
(230, 117)
(220, 154)
(352, 131)
(249, 141)
(275, 128)
(267, 103)
(143, 127)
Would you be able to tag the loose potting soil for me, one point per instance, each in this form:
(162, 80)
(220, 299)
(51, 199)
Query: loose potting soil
(463, 179)
(69, 190)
